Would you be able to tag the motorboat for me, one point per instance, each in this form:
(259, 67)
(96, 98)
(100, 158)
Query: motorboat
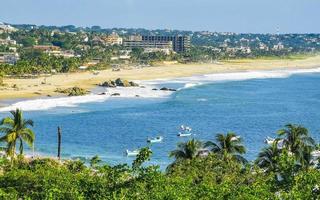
(185, 128)
(185, 131)
(184, 134)
(132, 153)
(157, 139)
(269, 140)
(235, 138)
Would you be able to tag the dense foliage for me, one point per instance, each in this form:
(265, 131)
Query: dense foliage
(285, 169)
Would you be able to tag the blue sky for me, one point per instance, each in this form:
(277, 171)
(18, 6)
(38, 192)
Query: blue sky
(258, 16)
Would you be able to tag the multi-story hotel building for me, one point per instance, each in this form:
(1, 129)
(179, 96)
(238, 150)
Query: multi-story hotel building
(176, 43)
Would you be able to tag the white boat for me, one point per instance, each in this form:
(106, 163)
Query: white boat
(155, 140)
(235, 138)
(269, 140)
(185, 131)
(184, 134)
(315, 154)
(132, 153)
(185, 128)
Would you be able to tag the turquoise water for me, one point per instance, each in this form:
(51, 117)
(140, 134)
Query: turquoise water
(253, 109)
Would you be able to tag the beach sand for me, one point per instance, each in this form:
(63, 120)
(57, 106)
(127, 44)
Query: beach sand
(27, 88)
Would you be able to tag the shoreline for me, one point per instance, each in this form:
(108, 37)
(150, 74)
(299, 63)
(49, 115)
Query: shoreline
(36, 88)
(149, 89)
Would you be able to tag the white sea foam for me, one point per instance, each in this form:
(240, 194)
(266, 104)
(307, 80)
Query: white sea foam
(49, 103)
(189, 85)
(234, 76)
(147, 92)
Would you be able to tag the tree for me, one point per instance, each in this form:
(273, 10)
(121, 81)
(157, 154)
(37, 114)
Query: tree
(15, 130)
(267, 158)
(94, 161)
(143, 156)
(59, 143)
(228, 146)
(297, 141)
(187, 150)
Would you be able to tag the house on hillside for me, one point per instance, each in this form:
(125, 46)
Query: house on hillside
(9, 57)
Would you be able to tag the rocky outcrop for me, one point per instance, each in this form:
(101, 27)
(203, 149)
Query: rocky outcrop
(75, 91)
(167, 89)
(120, 83)
(108, 84)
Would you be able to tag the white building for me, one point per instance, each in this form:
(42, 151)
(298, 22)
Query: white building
(6, 28)
(9, 58)
(7, 41)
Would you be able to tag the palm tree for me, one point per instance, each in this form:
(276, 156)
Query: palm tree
(267, 158)
(297, 141)
(187, 150)
(295, 137)
(228, 146)
(15, 130)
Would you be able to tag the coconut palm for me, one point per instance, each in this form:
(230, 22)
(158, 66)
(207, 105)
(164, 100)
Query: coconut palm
(187, 150)
(295, 137)
(15, 129)
(267, 158)
(297, 141)
(228, 146)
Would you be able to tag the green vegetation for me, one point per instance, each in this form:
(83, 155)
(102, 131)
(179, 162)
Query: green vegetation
(228, 147)
(1, 78)
(87, 44)
(74, 91)
(15, 130)
(283, 170)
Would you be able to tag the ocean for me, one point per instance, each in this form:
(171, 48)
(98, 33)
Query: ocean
(253, 104)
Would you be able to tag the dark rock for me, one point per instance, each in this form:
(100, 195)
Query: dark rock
(167, 89)
(102, 93)
(133, 84)
(137, 95)
(115, 94)
(108, 84)
(119, 82)
(154, 89)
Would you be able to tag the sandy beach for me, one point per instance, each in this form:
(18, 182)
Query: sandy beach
(43, 86)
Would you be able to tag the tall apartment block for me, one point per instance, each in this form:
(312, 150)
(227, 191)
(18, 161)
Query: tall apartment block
(176, 43)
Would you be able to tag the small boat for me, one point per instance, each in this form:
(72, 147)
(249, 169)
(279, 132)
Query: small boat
(185, 128)
(236, 138)
(132, 153)
(269, 140)
(184, 134)
(155, 140)
(185, 131)
(315, 154)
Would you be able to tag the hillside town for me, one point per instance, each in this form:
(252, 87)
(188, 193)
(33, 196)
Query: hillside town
(31, 49)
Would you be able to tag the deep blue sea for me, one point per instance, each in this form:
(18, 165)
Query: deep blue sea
(254, 109)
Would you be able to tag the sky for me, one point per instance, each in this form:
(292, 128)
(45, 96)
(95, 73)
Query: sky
(241, 16)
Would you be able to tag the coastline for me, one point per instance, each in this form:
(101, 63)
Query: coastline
(35, 88)
(149, 89)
